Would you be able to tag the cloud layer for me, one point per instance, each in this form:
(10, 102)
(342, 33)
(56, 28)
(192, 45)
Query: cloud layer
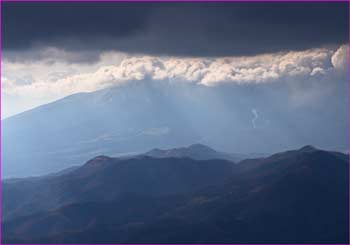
(57, 76)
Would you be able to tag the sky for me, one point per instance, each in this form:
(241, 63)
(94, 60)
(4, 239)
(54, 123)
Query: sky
(52, 50)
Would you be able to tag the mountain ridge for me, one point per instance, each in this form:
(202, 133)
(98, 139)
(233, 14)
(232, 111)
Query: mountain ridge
(195, 151)
(236, 202)
(85, 125)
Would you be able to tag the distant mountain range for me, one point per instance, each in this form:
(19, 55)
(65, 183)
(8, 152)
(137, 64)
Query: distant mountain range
(184, 195)
(199, 152)
(132, 119)
(76, 128)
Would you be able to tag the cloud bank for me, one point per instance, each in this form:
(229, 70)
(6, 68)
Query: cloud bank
(57, 76)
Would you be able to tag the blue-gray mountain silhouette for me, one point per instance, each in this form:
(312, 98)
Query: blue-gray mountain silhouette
(144, 115)
(298, 196)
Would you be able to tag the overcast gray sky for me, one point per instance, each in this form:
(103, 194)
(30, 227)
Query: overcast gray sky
(51, 50)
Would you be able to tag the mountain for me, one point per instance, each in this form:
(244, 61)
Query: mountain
(194, 151)
(79, 127)
(108, 179)
(76, 128)
(292, 197)
(143, 115)
(298, 196)
(201, 152)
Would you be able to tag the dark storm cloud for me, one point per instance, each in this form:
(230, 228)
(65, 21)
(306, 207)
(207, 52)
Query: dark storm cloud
(188, 29)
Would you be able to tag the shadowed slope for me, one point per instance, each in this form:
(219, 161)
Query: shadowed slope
(292, 197)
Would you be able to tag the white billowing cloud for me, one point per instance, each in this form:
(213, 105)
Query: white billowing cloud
(339, 58)
(238, 70)
(317, 71)
(59, 74)
(50, 77)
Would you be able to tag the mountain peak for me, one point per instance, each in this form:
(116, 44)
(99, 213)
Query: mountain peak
(199, 146)
(97, 160)
(307, 148)
(195, 151)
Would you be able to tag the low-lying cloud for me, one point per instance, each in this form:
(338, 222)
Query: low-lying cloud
(52, 79)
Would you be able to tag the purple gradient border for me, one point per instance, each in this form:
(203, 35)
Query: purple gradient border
(172, 1)
(0, 122)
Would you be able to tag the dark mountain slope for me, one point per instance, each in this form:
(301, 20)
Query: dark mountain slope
(106, 179)
(301, 202)
(129, 212)
(292, 197)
